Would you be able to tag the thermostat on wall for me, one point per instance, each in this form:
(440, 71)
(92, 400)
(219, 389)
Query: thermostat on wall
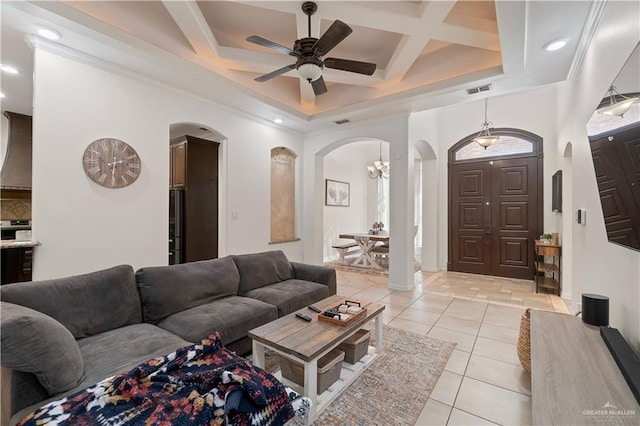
(581, 216)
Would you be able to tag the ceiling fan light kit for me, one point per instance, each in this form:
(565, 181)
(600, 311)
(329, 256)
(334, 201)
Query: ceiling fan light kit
(309, 52)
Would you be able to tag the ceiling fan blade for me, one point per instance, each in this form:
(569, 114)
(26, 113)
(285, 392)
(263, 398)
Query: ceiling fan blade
(366, 68)
(337, 32)
(319, 87)
(275, 73)
(270, 44)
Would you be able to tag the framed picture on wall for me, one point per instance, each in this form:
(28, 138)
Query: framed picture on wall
(336, 193)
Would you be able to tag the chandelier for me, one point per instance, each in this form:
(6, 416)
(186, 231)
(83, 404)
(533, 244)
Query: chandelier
(484, 138)
(618, 104)
(380, 169)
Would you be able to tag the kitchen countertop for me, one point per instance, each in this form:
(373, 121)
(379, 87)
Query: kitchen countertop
(9, 244)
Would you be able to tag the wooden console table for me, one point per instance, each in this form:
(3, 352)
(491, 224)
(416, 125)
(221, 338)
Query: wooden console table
(547, 267)
(574, 378)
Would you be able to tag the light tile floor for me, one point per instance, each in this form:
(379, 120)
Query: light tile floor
(483, 382)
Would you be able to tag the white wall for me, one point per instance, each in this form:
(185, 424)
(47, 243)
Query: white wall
(349, 164)
(598, 266)
(84, 227)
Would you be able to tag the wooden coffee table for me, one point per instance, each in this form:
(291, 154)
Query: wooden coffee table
(306, 342)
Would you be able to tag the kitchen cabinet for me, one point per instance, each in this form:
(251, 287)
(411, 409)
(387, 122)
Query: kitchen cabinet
(178, 169)
(17, 265)
(194, 169)
(547, 267)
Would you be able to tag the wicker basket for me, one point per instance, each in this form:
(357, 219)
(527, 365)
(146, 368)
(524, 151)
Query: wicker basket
(356, 346)
(329, 367)
(524, 341)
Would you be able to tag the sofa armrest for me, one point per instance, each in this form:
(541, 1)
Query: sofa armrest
(315, 273)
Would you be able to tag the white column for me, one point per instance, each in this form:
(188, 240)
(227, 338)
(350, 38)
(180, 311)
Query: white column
(401, 198)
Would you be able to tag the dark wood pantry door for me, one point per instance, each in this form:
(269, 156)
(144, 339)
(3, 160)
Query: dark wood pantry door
(495, 215)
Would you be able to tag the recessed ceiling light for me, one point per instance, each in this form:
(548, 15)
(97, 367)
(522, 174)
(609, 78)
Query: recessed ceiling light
(9, 70)
(555, 45)
(1, 95)
(278, 120)
(49, 33)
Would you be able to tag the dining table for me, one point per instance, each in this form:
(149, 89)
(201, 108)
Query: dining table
(366, 242)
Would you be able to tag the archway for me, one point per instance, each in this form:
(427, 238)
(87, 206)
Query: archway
(495, 204)
(429, 221)
(567, 222)
(194, 193)
(346, 165)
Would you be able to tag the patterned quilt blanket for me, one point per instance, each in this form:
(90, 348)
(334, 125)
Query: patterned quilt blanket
(202, 384)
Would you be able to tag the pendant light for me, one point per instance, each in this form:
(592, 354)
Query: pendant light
(380, 169)
(618, 104)
(484, 138)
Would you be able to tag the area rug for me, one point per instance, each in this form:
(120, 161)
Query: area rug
(394, 388)
(362, 270)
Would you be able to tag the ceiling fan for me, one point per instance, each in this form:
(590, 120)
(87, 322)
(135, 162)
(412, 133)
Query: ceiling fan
(310, 51)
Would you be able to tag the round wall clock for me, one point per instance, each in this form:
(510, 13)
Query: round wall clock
(111, 163)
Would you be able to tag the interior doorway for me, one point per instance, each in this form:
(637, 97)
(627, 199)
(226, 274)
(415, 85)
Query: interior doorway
(193, 194)
(495, 205)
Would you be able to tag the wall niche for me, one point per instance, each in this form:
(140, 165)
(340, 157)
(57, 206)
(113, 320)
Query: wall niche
(283, 202)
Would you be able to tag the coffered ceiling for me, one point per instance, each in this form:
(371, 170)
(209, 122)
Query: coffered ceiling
(427, 52)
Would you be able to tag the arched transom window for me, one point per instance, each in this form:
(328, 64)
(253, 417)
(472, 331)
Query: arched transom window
(506, 145)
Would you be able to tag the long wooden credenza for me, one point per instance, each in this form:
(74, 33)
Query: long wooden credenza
(574, 378)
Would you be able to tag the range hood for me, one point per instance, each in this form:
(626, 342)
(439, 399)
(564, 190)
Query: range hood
(16, 170)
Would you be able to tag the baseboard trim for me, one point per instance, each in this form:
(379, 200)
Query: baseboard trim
(393, 286)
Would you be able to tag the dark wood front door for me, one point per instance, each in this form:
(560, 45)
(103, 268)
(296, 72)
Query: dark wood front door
(616, 159)
(495, 215)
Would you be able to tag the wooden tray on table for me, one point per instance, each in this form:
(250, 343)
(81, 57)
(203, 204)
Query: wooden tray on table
(336, 319)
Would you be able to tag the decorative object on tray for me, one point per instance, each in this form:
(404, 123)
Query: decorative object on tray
(198, 384)
(343, 314)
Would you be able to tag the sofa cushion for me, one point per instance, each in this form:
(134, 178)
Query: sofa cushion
(261, 269)
(120, 350)
(169, 289)
(290, 295)
(85, 304)
(232, 316)
(113, 352)
(35, 343)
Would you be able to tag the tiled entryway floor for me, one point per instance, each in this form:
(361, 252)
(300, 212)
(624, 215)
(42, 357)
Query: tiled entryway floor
(483, 382)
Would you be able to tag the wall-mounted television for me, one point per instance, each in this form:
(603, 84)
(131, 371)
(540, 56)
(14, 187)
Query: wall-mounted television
(556, 191)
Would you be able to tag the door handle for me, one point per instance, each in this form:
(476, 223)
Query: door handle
(488, 230)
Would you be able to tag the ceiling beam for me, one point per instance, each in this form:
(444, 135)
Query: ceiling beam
(467, 37)
(412, 45)
(401, 20)
(194, 26)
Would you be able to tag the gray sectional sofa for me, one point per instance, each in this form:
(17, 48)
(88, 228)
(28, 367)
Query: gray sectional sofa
(61, 335)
